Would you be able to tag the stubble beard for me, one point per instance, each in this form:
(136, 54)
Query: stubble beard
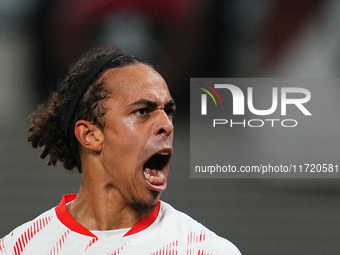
(144, 208)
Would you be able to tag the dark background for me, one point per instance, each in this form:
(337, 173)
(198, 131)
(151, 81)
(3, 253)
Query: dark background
(182, 39)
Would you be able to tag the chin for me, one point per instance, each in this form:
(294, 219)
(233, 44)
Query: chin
(144, 206)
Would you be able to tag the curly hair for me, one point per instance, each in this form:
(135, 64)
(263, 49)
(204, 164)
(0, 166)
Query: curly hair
(46, 128)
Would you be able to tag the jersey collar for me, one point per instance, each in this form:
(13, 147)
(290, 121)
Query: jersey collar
(66, 219)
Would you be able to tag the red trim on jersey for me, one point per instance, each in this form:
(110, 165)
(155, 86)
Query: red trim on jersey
(70, 223)
(67, 219)
(146, 221)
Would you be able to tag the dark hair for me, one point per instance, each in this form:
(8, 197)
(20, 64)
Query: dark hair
(46, 130)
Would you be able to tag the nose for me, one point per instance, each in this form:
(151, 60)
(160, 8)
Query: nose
(163, 124)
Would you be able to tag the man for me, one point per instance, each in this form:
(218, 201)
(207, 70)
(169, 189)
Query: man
(112, 119)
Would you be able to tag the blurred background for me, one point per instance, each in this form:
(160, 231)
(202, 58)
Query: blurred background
(182, 39)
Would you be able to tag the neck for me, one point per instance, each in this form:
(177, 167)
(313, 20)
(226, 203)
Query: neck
(100, 207)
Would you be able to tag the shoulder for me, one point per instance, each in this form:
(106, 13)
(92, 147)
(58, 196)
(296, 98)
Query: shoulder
(18, 238)
(196, 235)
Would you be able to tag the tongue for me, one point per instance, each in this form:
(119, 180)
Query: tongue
(155, 177)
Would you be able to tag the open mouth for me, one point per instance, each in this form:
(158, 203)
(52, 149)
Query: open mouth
(155, 166)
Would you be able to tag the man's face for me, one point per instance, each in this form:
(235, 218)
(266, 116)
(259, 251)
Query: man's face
(138, 134)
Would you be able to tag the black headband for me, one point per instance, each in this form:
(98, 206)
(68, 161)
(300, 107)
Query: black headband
(94, 72)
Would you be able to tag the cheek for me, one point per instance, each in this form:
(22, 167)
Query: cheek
(129, 124)
(136, 129)
(128, 136)
(125, 138)
(120, 129)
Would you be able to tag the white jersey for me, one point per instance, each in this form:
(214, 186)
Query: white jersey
(165, 231)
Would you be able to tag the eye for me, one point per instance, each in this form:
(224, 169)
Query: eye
(170, 111)
(141, 112)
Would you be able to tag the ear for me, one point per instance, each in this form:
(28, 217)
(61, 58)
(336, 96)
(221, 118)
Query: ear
(88, 135)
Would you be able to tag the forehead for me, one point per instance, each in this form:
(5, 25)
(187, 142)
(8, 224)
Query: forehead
(136, 81)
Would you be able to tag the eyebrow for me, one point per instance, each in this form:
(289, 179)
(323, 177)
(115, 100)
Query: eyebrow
(152, 104)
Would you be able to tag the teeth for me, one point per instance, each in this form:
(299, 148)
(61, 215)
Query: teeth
(156, 180)
(164, 153)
